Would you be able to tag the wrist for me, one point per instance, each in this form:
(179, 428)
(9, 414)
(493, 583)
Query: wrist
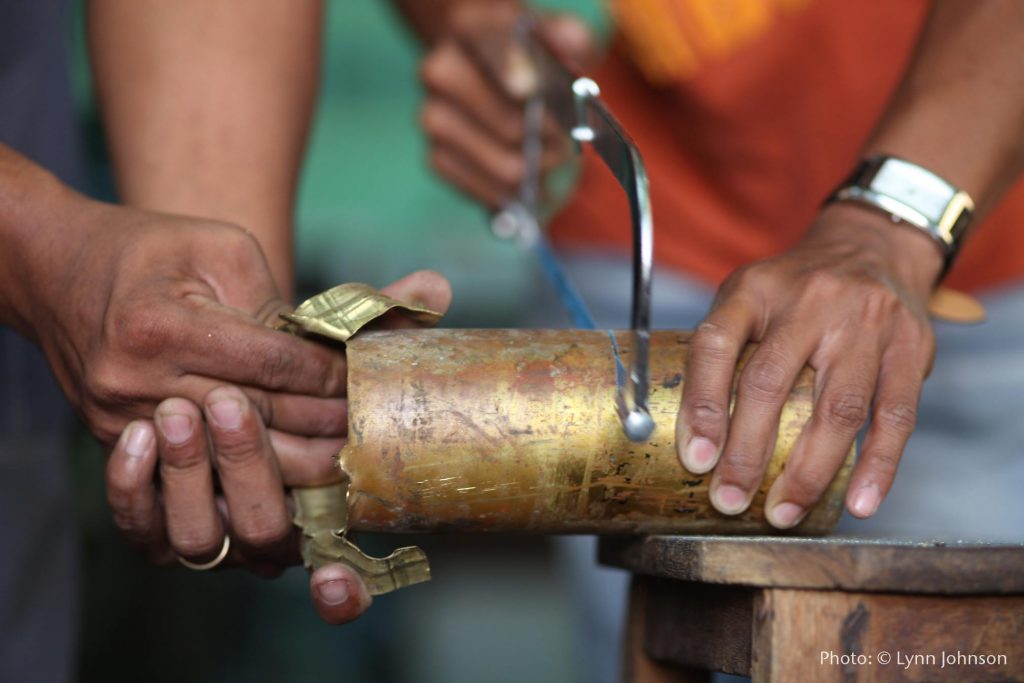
(908, 254)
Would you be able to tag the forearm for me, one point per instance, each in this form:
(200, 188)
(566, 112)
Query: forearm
(959, 111)
(34, 210)
(207, 106)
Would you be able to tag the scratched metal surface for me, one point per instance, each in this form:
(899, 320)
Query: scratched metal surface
(516, 431)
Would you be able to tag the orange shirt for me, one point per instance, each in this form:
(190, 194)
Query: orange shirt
(748, 113)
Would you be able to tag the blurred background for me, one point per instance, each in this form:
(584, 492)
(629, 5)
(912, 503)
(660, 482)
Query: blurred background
(497, 609)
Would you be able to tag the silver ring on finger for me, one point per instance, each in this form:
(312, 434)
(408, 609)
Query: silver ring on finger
(204, 566)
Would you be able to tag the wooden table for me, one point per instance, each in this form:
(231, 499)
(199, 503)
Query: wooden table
(833, 609)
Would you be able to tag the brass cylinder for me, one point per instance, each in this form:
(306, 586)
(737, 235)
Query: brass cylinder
(516, 431)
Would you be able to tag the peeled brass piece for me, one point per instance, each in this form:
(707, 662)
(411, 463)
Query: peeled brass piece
(320, 513)
(342, 311)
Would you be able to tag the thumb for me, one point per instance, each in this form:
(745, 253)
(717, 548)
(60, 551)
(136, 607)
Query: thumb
(338, 594)
(424, 288)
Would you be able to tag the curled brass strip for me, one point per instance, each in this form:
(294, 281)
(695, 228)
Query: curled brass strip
(342, 311)
(322, 511)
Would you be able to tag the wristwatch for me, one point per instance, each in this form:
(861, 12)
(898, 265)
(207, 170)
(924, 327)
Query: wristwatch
(914, 195)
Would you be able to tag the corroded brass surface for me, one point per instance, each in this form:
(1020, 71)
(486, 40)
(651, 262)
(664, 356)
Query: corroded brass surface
(516, 431)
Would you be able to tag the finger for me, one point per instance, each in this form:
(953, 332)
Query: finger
(297, 414)
(424, 288)
(763, 387)
(224, 344)
(449, 126)
(468, 179)
(300, 415)
(710, 363)
(845, 388)
(486, 31)
(306, 462)
(892, 421)
(449, 74)
(338, 594)
(131, 491)
(249, 474)
(287, 555)
(186, 473)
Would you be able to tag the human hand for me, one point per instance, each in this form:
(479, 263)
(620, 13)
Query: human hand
(476, 83)
(850, 300)
(222, 473)
(139, 306)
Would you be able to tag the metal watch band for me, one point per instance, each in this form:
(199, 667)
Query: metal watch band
(913, 195)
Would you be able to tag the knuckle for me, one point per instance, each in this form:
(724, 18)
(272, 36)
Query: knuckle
(884, 462)
(241, 250)
(145, 331)
(846, 410)
(714, 341)
(263, 532)
(880, 305)
(754, 276)
(192, 543)
(509, 169)
(188, 457)
(277, 366)
(766, 376)
(434, 119)
(238, 449)
(435, 67)
(822, 283)
(805, 484)
(900, 416)
(705, 412)
(741, 466)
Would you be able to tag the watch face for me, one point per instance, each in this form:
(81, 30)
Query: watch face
(915, 187)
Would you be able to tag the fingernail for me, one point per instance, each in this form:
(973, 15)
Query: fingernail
(176, 428)
(865, 501)
(226, 413)
(139, 440)
(333, 592)
(785, 515)
(730, 500)
(700, 455)
(520, 76)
